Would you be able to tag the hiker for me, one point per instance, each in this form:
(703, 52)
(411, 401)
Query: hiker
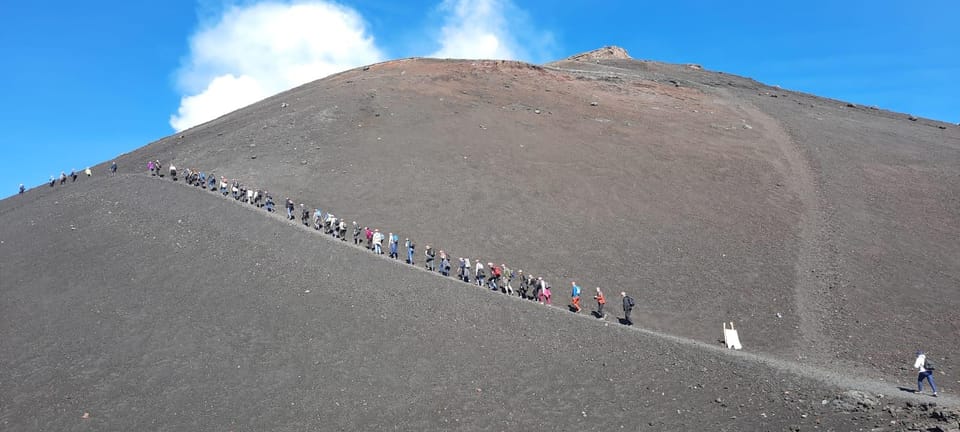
(22, 189)
(575, 297)
(368, 233)
(173, 172)
(466, 270)
(290, 206)
(53, 181)
(156, 167)
(394, 245)
(317, 217)
(152, 168)
(356, 233)
(113, 167)
(545, 293)
(537, 288)
(304, 215)
(507, 280)
(269, 204)
(343, 230)
(478, 273)
(522, 288)
(431, 256)
(444, 264)
(88, 172)
(494, 279)
(212, 183)
(628, 305)
(410, 249)
(73, 175)
(377, 242)
(600, 302)
(202, 180)
(63, 177)
(926, 372)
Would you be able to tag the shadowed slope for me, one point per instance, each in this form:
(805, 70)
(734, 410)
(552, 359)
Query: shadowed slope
(165, 308)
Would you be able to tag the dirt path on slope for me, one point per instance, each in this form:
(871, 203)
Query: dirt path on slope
(817, 267)
(829, 377)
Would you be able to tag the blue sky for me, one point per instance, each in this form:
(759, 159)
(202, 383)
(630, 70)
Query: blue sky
(86, 81)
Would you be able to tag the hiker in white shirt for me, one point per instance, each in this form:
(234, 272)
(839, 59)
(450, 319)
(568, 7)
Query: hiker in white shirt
(926, 372)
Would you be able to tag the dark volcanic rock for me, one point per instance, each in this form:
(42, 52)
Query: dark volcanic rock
(144, 303)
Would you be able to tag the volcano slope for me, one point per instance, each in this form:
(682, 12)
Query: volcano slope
(826, 232)
(149, 305)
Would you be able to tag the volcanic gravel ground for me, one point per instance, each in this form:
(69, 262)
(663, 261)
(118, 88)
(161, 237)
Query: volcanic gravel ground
(152, 306)
(826, 232)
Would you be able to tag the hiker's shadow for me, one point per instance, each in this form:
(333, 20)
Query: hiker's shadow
(906, 389)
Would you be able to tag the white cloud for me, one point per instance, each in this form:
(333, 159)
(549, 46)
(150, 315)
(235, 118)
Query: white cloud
(489, 29)
(256, 51)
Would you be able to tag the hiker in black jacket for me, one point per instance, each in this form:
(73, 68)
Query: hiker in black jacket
(628, 305)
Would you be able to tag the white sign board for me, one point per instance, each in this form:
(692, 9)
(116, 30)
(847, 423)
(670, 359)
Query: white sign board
(730, 337)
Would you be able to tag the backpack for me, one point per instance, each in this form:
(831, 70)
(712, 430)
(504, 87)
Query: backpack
(630, 301)
(928, 366)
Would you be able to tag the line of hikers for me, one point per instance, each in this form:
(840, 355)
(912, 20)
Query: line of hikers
(72, 176)
(500, 278)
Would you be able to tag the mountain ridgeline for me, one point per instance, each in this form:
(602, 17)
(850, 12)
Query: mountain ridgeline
(826, 231)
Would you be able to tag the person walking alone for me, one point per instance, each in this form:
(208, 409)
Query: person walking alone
(926, 372)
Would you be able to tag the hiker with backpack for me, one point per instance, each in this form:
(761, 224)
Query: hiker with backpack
(926, 372)
(410, 250)
(628, 305)
(575, 297)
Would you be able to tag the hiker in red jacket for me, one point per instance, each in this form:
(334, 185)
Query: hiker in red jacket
(601, 300)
